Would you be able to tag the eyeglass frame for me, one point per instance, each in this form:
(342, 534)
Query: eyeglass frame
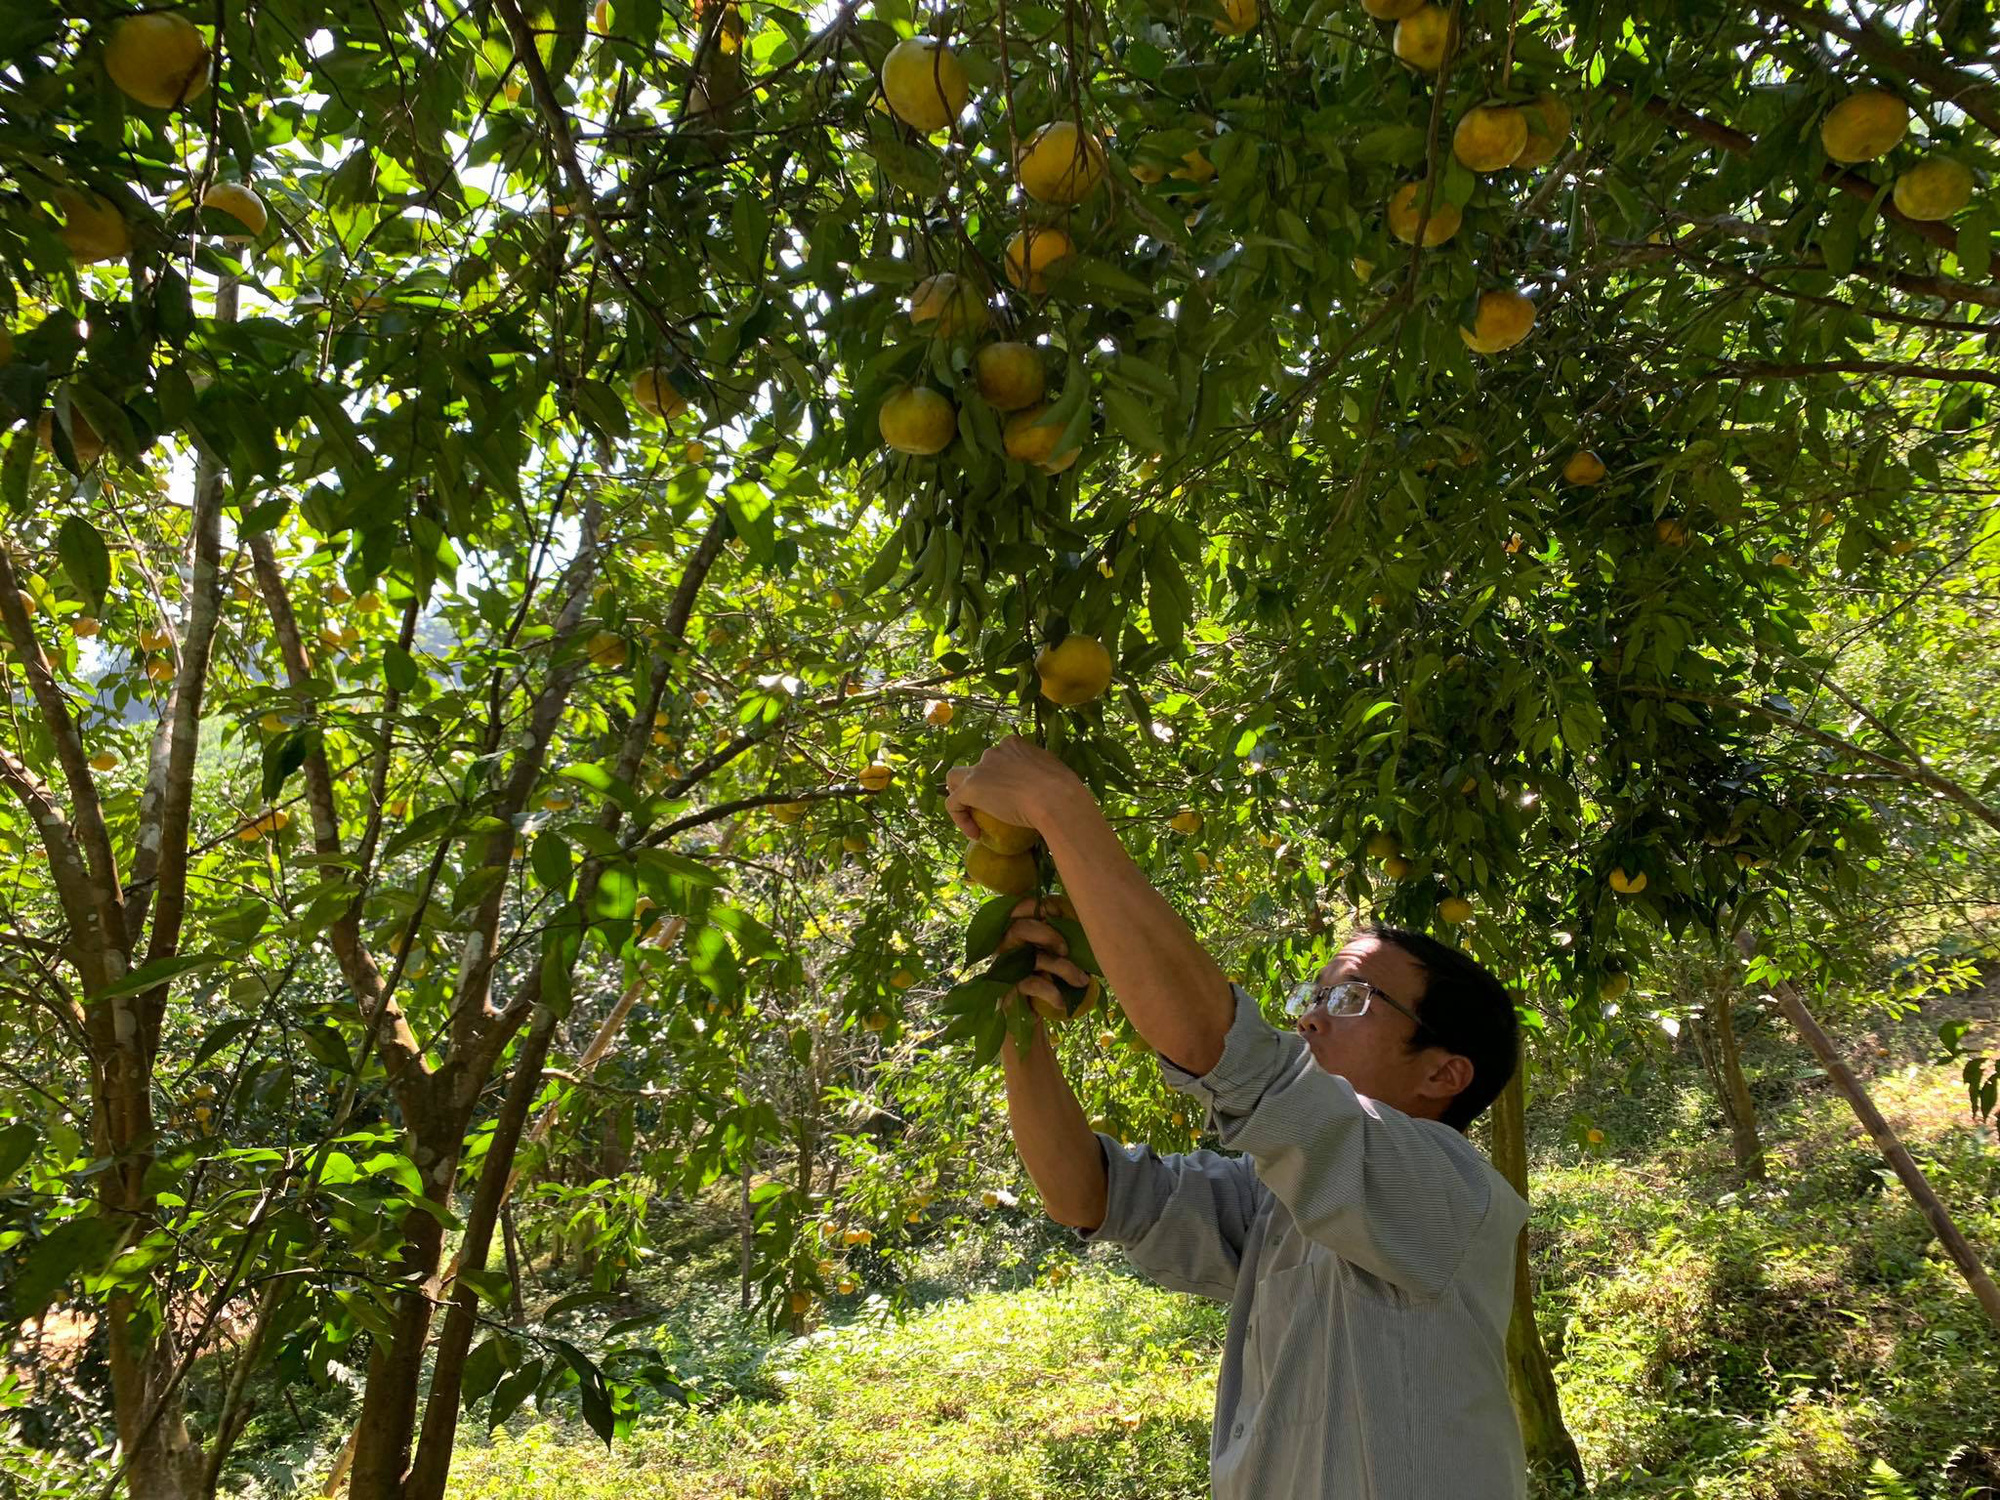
(1314, 993)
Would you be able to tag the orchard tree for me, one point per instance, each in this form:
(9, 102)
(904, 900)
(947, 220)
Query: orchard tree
(462, 461)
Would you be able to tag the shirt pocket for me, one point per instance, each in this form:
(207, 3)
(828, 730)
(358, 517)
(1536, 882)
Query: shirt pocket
(1288, 1345)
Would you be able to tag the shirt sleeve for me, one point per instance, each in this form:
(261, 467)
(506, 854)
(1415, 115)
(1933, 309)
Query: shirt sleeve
(1399, 1197)
(1183, 1219)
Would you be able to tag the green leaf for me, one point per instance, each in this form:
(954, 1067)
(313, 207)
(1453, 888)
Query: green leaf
(1131, 416)
(551, 860)
(86, 560)
(592, 1387)
(284, 755)
(75, 1247)
(17, 1144)
(512, 1391)
(158, 971)
(987, 928)
(399, 668)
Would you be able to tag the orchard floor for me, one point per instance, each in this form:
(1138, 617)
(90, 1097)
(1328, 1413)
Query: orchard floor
(1805, 1340)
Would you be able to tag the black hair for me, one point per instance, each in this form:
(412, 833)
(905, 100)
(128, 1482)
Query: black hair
(1464, 1009)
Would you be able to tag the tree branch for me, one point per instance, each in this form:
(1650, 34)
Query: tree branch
(1969, 92)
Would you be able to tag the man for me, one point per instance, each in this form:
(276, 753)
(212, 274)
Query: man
(1365, 1247)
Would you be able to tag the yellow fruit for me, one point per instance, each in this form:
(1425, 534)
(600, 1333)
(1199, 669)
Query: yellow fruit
(938, 712)
(92, 228)
(1060, 163)
(607, 650)
(1824, 518)
(1489, 138)
(1187, 820)
(1074, 670)
(1455, 910)
(1010, 376)
(1584, 469)
(1382, 845)
(947, 304)
(876, 777)
(1935, 188)
(1004, 838)
(989, 1199)
(924, 83)
(917, 420)
(1364, 269)
(335, 594)
(1627, 885)
(1864, 126)
(1031, 440)
(160, 669)
(1423, 37)
(1902, 547)
(269, 723)
(158, 59)
(1396, 867)
(1549, 121)
(1391, 10)
(159, 640)
(600, 16)
(1614, 985)
(1501, 321)
(695, 453)
(1782, 560)
(787, 812)
(1032, 253)
(1595, 1137)
(104, 760)
(1238, 17)
(1406, 210)
(801, 1303)
(1747, 861)
(1009, 874)
(1194, 168)
(875, 1020)
(83, 626)
(902, 979)
(656, 394)
(1671, 532)
(241, 204)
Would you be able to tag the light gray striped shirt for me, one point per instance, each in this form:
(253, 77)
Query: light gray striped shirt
(1368, 1260)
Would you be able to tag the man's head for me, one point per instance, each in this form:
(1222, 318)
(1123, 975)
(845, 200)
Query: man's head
(1447, 1064)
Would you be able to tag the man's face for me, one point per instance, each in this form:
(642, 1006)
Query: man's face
(1371, 1051)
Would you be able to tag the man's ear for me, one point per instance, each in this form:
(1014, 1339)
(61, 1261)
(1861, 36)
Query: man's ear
(1451, 1077)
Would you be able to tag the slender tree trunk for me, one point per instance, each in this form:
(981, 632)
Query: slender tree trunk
(1530, 1381)
(746, 1248)
(1742, 1109)
(1886, 1141)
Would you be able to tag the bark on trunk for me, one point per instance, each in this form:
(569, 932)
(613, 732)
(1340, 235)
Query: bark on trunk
(1886, 1140)
(746, 1247)
(1530, 1380)
(1742, 1109)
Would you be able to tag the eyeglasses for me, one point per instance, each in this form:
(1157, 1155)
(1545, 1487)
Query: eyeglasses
(1346, 997)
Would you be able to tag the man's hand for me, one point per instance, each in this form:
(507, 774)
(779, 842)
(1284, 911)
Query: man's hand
(1015, 781)
(1029, 928)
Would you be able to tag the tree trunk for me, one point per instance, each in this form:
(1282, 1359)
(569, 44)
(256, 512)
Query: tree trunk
(1741, 1108)
(510, 1240)
(1530, 1381)
(746, 1250)
(1886, 1140)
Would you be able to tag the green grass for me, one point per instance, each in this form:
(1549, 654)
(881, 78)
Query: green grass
(1800, 1340)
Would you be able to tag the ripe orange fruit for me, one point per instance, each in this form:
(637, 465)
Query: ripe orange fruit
(1501, 321)
(1406, 211)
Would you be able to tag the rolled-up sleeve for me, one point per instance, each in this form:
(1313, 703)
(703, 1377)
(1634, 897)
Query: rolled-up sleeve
(1399, 1197)
(1182, 1219)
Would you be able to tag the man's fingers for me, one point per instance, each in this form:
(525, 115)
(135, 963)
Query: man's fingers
(1062, 968)
(1038, 934)
(1038, 987)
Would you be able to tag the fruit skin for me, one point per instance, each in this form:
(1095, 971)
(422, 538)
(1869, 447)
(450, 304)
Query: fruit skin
(1074, 670)
(1238, 18)
(83, 439)
(1490, 138)
(1033, 441)
(1455, 910)
(92, 228)
(1405, 208)
(1032, 254)
(1383, 844)
(947, 305)
(1549, 121)
(1008, 874)
(104, 760)
(787, 813)
(1060, 163)
(1004, 838)
(1584, 469)
(1423, 37)
(83, 626)
(1501, 321)
(1671, 532)
(1864, 126)
(607, 650)
(1614, 986)
(159, 60)
(925, 83)
(939, 712)
(1391, 10)
(1187, 820)
(656, 395)
(1010, 377)
(241, 204)
(1396, 867)
(1627, 885)
(876, 778)
(1935, 188)
(917, 420)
